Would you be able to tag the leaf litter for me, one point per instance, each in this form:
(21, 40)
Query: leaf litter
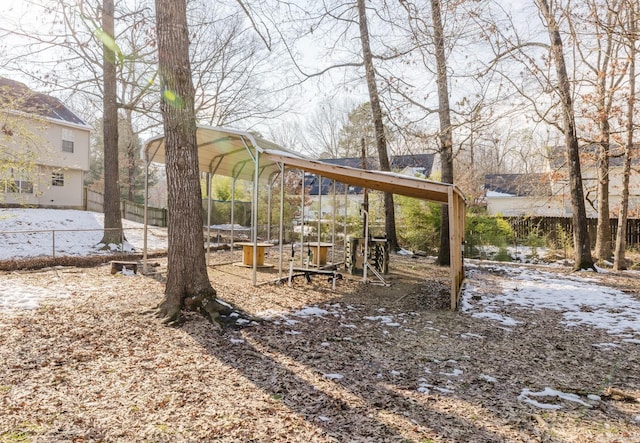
(362, 364)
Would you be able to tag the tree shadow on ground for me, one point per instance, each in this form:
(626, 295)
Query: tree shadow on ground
(337, 376)
(403, 388)
(348, 409)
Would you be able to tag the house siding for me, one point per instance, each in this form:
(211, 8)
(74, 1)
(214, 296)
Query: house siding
(38, 141)
(66, 196)
(559, 204)
(79, 159)
(523, 206)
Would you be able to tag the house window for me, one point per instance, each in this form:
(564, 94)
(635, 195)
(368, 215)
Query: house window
(67, 140)
(16, 182)
(24, 186)
(9, 186)
(67, 146)
(57, 179)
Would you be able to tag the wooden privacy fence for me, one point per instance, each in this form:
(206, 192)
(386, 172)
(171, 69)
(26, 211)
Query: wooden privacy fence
(555, 227)
(94, 201)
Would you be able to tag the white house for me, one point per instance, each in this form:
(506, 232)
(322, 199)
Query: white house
(547, 193)
(588, 165)
(44, 149)
(517, 195)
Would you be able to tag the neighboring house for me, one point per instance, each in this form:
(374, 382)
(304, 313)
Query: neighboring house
(521, 195)
(548, 194)
(588, 165)
(44, 149)
(418, 165)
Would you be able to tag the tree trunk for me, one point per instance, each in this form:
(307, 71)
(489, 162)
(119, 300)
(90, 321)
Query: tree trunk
(581, 242)
(603, 248)
(603, 233)
(621, 235)
(446, 135)
(376, 111)
(112, 218)
(188, 283)
(131, 156)
(365, 191)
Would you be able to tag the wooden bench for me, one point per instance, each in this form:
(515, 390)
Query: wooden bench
(331, 274)
(118, 265)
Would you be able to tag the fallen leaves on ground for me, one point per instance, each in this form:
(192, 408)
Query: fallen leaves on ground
(365, 363)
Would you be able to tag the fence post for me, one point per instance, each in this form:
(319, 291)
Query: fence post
(53, 243)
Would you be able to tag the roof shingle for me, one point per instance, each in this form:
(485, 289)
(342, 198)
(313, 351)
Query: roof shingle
(17, 96)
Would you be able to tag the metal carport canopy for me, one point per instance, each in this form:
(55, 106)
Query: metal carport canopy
(242, 155)
(231, 153)
(378, 180)
(224, 152)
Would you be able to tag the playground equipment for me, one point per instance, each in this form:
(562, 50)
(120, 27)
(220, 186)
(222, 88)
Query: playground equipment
(331, 273)
(368, 255)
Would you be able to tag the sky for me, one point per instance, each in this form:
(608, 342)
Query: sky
(311, 55)
(579, 297)
(345, 88)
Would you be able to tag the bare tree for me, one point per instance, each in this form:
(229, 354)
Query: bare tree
(603, 248)
(446, 130)
(582, 244)
(231, 68)
(595, 35)
(188, 284)
(112, 218)
(443, 36)
(228, 66)
(443, 109)
(325, 126)
(376, 113)
(88, 63)
(290, 134)
(631, 45)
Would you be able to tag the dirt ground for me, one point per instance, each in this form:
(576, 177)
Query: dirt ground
(365, 363)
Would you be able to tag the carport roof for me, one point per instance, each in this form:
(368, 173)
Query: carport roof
(233, 153)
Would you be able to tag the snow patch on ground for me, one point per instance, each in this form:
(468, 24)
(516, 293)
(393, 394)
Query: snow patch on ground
(67, 232)
(386, 320)
(14, 295)
(454, 373)
(488, 378)
(311, 311)
(578, 297)
(333, 376)
(526, 395)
